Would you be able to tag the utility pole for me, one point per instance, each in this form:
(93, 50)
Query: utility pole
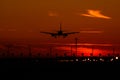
(113, 51)
(92, 50)
(76, 39)
(50, 52)
(8, 50)
(29, 49)
(71, 50)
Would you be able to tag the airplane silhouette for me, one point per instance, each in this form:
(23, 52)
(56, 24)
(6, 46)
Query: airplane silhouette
(59, 33)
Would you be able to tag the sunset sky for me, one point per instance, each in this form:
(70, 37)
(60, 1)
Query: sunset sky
(96, 20)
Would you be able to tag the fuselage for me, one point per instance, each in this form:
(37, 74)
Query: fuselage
(60, 32)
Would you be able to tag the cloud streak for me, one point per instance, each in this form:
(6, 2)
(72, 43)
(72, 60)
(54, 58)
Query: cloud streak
(96, 14)
(94, 32)
(90, 44)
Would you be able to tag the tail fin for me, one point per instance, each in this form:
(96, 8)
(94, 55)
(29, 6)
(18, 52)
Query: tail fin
(60, 27)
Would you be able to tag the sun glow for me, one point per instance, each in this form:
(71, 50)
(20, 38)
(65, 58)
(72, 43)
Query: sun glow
(84, 51)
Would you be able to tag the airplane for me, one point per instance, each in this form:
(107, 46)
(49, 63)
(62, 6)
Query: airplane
(59, 33)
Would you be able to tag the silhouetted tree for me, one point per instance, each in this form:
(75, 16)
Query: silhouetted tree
(100, 54)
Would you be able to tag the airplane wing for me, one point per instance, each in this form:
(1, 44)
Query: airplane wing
(52, 34)
(47, 33)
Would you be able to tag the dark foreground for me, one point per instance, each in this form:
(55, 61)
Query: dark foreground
(37, 68)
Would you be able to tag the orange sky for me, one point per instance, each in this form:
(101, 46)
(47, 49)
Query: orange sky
(22, 20)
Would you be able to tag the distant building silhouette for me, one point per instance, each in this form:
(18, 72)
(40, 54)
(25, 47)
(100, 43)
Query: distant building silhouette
(29, 51)
(108, 54)
(48, 54)
(56, 54)
(91, 54)
(74, 55)
(3, 54)
(12, 55)
(65, 54)
(82, 54)
(21, 54)
(100, 54)
(39, 54)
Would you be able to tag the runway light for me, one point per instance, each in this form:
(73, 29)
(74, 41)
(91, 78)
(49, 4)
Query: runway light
(111, 59)
(36, 60)
(84, 60)
(116, 57)
(71, 60)
(88, 59)
(76, 60)
(101, 59)
(66, 60)
(93, 59)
